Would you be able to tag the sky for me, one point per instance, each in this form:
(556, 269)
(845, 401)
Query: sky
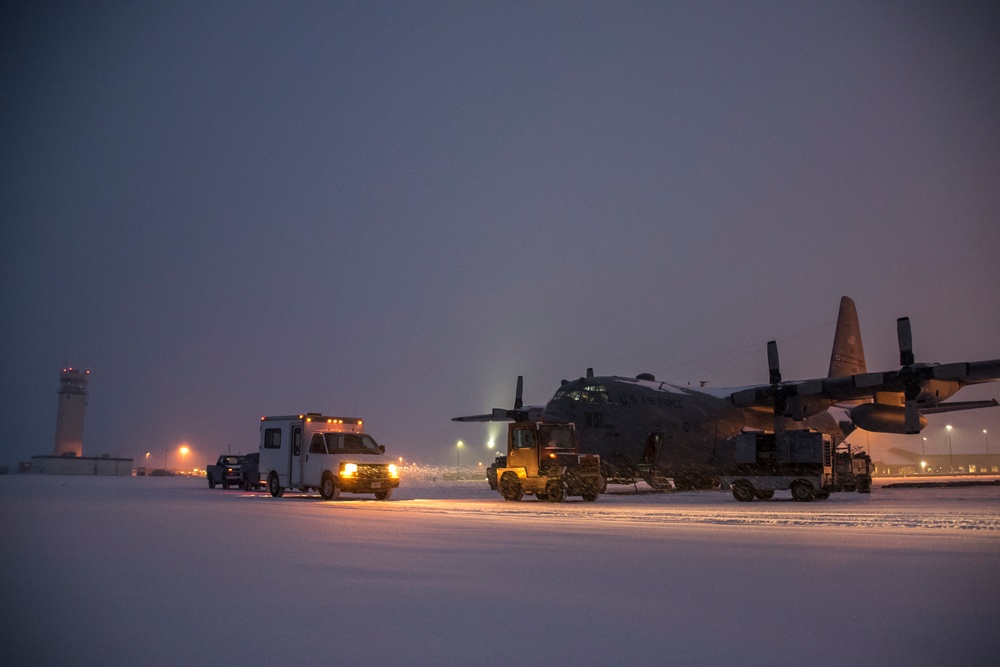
(390, 210)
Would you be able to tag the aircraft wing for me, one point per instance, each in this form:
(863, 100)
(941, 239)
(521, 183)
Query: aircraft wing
(900, 397)
(865, 385)
(911, 378)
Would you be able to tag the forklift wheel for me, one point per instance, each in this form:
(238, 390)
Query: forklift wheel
(510, 487)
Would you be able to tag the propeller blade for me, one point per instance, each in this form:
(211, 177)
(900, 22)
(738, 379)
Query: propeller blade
(911, 417)
(518, 403)
(905, 337)
(772, 362)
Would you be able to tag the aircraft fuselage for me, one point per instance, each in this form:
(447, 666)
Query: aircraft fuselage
(639, 425)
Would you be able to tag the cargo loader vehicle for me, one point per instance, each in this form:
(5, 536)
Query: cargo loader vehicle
(542, 460)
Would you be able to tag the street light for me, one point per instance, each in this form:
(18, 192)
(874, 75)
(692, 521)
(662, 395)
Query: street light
(458, 457)
(183, 451)
(986, 437)
(923, 447)
(951, 455)
(923, 465)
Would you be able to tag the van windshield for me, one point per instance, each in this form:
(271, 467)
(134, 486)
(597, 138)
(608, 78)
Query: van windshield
(351, 443)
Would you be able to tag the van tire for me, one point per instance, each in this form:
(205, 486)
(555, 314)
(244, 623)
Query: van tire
(273, 486)
(328, 488)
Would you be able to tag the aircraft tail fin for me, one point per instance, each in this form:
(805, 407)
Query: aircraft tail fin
(848, 356)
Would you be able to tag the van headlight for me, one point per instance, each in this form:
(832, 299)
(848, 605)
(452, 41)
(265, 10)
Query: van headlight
(393, 470)
(349, 470)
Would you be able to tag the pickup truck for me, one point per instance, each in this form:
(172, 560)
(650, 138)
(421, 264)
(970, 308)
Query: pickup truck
(250, 472)
(226, 471)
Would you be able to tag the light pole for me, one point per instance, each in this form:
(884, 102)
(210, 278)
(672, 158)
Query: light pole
(951, 455)
(458, 457)
(986, 438)
(183, 451)
(923, 447)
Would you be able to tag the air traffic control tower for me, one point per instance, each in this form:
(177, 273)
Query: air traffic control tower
(72, 406)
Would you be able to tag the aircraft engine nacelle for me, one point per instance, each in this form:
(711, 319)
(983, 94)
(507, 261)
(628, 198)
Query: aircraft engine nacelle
(879, 418)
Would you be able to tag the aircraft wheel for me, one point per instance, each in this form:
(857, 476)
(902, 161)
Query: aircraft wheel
(765, 494)
(743, 492)
(273, 487)
(802, 492)
(556, 491)
(510, 487)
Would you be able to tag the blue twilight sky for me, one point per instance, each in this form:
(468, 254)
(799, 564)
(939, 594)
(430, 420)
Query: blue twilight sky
(391, 209)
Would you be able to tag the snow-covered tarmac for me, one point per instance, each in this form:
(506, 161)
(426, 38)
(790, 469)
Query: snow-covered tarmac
(164, 571)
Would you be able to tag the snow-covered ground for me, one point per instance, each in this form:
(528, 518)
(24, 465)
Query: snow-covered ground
(164, 571)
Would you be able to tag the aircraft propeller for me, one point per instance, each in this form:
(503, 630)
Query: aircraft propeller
(909, 379)
(516, 413)
(785, 398)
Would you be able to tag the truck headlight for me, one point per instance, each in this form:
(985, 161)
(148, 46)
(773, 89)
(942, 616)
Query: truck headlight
(393, 470)
(349, 470)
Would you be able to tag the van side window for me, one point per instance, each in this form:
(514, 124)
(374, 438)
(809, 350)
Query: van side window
(296, 441)
(272, 438)
(318, 445)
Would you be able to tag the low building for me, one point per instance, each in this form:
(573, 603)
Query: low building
(81, 465)
(895, 462)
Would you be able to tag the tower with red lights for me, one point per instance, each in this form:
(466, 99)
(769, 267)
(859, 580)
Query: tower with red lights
(72, 408)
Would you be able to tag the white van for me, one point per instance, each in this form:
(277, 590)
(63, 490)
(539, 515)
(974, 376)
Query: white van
(329, 454)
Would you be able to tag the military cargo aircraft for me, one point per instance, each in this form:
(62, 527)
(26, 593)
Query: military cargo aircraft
(645, 428)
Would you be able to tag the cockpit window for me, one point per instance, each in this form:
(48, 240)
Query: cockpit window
(594, 393)
(556, 437)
